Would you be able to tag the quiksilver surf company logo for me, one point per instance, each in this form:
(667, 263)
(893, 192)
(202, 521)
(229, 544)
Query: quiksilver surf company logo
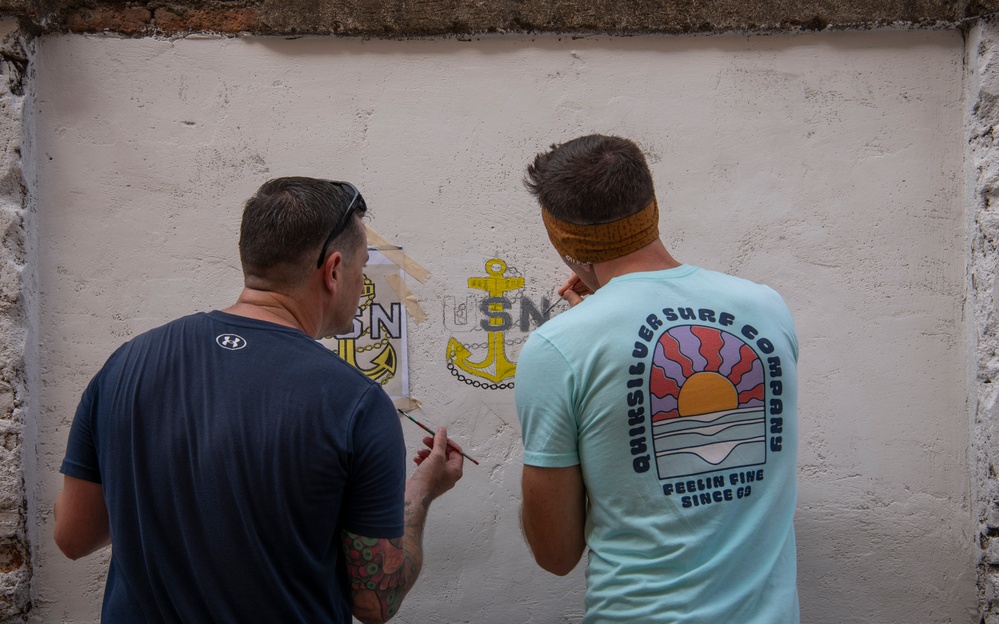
(707, 405)
(231, 342)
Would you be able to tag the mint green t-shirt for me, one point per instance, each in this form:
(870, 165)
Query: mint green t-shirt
(676, 392)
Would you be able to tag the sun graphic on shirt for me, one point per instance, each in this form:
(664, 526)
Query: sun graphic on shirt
(700, 370)
(704, 393)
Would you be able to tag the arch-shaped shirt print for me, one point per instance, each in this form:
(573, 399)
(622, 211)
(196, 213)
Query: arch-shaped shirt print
(706, 390)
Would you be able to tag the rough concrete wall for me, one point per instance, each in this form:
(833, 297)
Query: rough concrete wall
(983, 164)
(16, 452)
(402, 18)
(828, 165)
(394, 18)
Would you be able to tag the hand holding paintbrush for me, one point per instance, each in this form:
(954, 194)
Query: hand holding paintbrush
(451, 444)
(572, 291)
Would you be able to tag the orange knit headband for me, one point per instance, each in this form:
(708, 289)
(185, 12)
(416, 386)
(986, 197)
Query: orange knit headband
(586, 244)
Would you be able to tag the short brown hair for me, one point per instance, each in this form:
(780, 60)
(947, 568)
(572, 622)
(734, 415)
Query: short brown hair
(591, 179)
(285, 223)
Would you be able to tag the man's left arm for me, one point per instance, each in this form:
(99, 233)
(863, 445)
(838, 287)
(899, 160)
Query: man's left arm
(554, 516)
(382, 571)
(81, 518)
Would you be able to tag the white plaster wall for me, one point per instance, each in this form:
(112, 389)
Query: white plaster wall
(827, 165)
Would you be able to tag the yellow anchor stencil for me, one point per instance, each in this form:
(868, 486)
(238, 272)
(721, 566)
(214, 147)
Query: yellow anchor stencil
(496, 367)
(386, 362)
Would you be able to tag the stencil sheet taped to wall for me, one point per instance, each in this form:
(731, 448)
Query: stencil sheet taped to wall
(377, 346)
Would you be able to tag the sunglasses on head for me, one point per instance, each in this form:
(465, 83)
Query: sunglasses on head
(356, 204)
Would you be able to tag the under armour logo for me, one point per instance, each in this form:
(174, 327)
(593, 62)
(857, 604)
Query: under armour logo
(231, 342)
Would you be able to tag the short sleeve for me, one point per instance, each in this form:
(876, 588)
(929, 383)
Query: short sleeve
(783, 313)
(81, 449)
(543, 392)
(376, 483)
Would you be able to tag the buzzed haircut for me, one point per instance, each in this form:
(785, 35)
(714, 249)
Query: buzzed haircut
(285, 223)
(591, 179)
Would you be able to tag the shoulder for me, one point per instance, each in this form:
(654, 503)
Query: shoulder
(556, 333)
(741, 286)
(761, 303)
(154, 335)
(190, 322)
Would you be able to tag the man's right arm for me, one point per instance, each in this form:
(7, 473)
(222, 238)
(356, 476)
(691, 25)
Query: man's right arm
(382, 571)
(554, 516)
(573, 290)
(81, 518)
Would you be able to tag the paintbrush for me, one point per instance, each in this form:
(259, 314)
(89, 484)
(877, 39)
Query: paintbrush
(431, 432)
(552, 306)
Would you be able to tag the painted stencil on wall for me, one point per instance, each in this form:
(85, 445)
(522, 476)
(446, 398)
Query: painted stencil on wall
(377, 344)
(489, 325)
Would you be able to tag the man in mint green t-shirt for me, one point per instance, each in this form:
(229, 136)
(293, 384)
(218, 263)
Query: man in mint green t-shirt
(659, 413)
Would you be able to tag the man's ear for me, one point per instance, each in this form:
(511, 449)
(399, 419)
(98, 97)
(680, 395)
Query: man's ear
(585, 272)
(333, 270)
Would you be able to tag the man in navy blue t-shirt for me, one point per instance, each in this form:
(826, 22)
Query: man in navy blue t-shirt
(241, 471)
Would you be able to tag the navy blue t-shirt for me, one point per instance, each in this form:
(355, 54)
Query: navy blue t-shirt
(231, 453)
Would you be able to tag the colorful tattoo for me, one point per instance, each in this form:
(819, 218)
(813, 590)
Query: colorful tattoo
(376, 570)
(382, 570)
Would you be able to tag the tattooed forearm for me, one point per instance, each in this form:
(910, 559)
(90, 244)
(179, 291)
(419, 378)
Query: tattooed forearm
(415, 515)
(382, 571)
(378, 574)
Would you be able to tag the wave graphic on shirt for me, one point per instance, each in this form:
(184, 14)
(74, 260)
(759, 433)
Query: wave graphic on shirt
(706, 391)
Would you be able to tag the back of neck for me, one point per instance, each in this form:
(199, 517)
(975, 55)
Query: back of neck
(268, 306)
(652, 257)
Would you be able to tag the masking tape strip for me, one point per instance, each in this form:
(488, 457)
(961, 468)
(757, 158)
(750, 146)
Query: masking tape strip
(406, 404)
(395, 254)
(406, 296)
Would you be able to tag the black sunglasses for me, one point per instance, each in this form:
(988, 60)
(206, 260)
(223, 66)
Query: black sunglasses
(356, 203)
